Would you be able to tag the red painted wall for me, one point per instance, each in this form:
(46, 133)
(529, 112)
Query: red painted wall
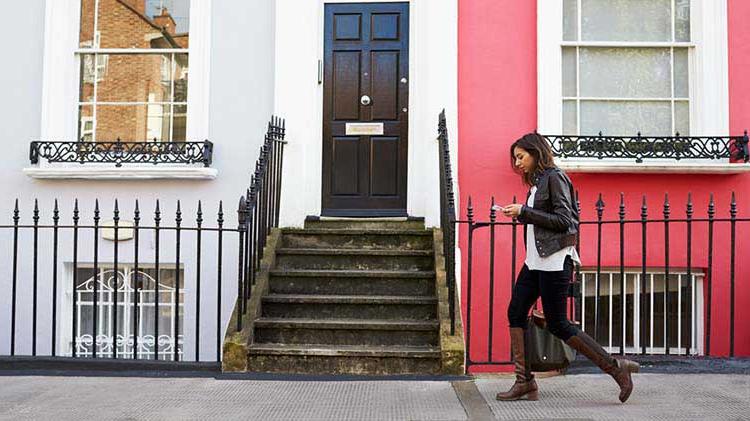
(497, 104)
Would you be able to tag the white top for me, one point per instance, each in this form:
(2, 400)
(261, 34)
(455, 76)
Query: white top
(552, 263)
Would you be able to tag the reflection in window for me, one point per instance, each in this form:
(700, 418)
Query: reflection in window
(134, 70)
(629, 87)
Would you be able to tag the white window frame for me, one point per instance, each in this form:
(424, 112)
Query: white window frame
(709, 78)
(61, 73)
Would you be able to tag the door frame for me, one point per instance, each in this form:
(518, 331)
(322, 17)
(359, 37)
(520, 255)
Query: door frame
(371, 212)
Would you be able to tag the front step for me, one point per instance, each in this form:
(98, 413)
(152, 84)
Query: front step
(346, 331)
(353, 282)
(339, 359)
(377, 239)
(336, 259)
(363, 223)
(349, 306)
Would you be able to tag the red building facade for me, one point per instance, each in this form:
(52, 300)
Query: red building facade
(501, 49)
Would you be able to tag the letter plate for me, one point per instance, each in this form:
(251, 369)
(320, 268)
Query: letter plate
(364, 129)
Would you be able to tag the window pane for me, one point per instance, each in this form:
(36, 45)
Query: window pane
(180, 77)
(129, 78)
(570, 118)
(625, 72)
(93, 69)
(682, 118)
(135, 24)
(626, 20)
(86, 33)
(682, 20)
(618, 118)
(179, 123)
(569, 71)
(86, 123)
(570, 20)
(132, 122)
(681, 72)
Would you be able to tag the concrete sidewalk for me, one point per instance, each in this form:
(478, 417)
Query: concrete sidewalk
(581, 396)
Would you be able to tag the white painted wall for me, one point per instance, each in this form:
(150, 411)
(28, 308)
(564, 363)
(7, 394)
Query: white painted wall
(240, 102)
(299, 97)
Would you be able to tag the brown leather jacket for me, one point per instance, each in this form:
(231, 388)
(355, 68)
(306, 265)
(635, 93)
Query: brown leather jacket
(554, 214)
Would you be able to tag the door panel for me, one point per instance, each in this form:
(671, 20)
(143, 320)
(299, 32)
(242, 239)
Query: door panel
(384, 169)
(385, 26)
(385, 85)
(346, 69)
(348, 26)
(345, 165)
(366, 54)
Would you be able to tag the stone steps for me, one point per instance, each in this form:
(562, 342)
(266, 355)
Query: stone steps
(337, 259)
(349, 306)
(353, 282)
(346, 331)
(354, 224)
(379, 239)
(344, 359)
(350, 296)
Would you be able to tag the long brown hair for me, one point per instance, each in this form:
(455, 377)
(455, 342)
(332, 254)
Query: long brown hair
(539, 149)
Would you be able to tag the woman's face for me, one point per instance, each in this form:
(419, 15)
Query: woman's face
(524, 161)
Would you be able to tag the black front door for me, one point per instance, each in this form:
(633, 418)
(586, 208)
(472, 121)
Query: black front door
(365, 114)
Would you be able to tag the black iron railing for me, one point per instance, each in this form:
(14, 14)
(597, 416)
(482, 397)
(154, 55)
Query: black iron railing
(125, 298)
(261, 204)
(117, 294)
(641, 147)
(118, 152)
(659, 294)
(447, 216)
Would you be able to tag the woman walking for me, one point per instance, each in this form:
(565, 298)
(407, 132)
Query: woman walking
(551, 229)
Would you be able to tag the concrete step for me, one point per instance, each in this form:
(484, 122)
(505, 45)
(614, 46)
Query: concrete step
(364, 223)
(316, 359)
(401, 239)
(298, 258)
(346, 331)
(314, 306)
(333, 282)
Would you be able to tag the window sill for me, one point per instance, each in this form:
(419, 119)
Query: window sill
(127, 173)
(667, 167)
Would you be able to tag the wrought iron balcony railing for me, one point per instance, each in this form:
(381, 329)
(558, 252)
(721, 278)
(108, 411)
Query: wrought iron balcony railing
(119, 153)
(648, 147)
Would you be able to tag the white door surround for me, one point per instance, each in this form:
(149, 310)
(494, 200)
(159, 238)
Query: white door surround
(433, 82)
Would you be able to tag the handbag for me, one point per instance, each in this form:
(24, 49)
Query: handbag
(545, 351)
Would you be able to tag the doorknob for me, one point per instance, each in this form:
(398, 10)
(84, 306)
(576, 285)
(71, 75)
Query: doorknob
(365, 100)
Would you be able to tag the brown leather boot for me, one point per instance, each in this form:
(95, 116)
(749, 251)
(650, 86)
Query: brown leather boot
(525, 385)
(619, 369)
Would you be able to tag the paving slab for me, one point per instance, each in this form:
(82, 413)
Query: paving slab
(655, 397)
(96, 398)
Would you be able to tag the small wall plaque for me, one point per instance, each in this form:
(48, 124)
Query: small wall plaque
(124, 230)
(364, 129)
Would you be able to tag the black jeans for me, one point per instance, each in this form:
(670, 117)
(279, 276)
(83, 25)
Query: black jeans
(553, 288)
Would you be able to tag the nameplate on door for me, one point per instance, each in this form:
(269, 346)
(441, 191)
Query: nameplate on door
(364, 129)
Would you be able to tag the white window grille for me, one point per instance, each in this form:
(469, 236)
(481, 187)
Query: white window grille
(126, 283)
(685, 315)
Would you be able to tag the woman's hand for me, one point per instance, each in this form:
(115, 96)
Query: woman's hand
(512, 210)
